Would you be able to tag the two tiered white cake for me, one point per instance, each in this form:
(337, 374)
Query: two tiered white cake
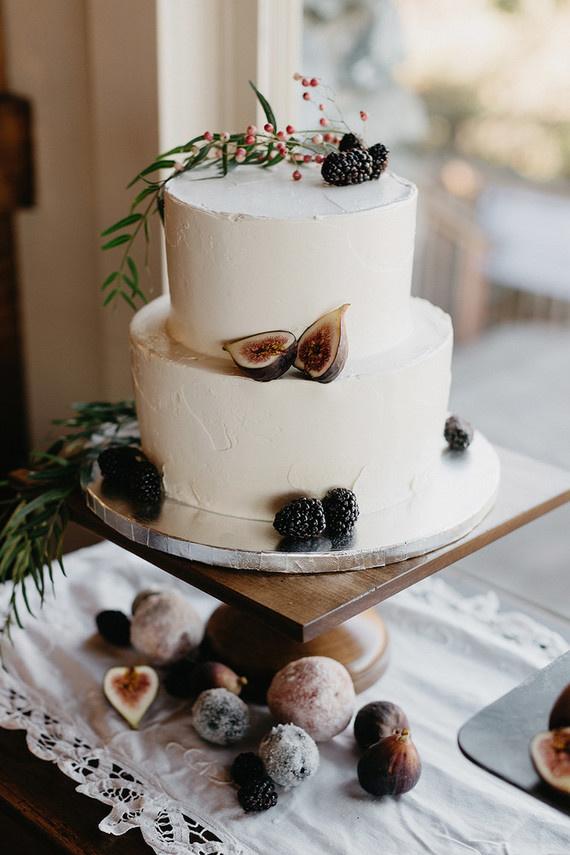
(255, 251)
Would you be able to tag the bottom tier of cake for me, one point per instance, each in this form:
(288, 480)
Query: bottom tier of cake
(232, 445)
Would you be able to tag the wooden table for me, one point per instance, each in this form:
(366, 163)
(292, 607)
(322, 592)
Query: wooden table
(39, 809)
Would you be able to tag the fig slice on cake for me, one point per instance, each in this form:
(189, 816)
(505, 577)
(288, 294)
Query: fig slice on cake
(131, 691)
(264, 356)
(322, 350)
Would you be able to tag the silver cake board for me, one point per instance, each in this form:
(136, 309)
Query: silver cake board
(458, 494)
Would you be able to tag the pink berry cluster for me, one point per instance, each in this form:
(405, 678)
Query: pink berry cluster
(270, 145)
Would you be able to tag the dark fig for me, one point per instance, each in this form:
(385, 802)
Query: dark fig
(550, 753)
(265, 356)
(560, 713)
(323, 348)
(214, 675)
(378, 720)
(131, 691)
(390, 767)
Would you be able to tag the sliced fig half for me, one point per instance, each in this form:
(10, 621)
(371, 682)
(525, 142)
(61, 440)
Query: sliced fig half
(323, 348)
(131, 691)
(264, 356)
(550, 753)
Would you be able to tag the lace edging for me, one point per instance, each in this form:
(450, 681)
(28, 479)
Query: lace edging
(165, 824)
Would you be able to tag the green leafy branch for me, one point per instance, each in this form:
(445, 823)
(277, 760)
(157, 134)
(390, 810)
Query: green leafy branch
(265, 148)
(34, 501)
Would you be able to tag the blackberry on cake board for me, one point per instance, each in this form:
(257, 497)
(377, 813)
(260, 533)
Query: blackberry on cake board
(301, 518)
(458, 433)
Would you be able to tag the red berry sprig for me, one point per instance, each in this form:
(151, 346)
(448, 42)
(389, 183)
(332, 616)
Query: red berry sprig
(266, 147)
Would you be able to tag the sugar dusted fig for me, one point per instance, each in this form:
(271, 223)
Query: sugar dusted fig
(141, 596)
(377, 720)
(560, 713)
(390, 767)
(550, 753)
(265, 356)
(131, 691)
(323, 348)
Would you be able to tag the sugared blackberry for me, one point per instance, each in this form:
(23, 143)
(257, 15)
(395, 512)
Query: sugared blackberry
(300, 518)
(258, 795)
(347, 167)
(145, 484)
(458, 433)
(117, 461)
(350, 141)
(379, 154)
(114, 627)
(341, 511)
(247, 767)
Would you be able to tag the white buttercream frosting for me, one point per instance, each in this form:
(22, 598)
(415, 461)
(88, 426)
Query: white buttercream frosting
(256, 251)
(232, 445)
(251, 191)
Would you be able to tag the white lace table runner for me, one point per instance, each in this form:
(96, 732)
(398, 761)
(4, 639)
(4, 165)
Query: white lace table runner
(450, 656)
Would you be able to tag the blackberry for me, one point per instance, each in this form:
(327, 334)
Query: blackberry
(347, 167)
(117, 461)
(341, 511)
(379, 154)
(247, 767)
(458, 433)
(350, 141)
(300, 518)
(258, 795)
(114, 627)
(145, 484)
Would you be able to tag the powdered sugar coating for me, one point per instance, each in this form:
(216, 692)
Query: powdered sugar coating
(165, 627)
(315, 693)
(220, 717)
(289, 755)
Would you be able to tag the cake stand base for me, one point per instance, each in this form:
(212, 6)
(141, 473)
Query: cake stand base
(256, 651)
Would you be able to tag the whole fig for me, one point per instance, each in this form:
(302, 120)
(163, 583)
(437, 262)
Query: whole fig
(390, 767)
(560, 713)
(214, 675)
(377, 720)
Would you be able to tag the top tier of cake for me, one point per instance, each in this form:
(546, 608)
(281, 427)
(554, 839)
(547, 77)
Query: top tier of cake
(257, 251)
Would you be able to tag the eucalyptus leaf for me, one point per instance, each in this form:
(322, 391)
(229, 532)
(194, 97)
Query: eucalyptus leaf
(117, 241)
(121, 224)
(269, 114)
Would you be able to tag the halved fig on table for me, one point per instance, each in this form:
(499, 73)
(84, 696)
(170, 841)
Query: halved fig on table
(323, 348)
(264, 356)
(550, 753)
(131, 690)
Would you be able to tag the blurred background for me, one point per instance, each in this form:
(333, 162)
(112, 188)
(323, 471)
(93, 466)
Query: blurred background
(472, 98)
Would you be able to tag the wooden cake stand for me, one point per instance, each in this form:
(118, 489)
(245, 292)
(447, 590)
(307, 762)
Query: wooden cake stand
(269, 619)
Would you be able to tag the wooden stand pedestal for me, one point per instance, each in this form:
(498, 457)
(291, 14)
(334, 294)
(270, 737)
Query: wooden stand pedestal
(256, 651)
